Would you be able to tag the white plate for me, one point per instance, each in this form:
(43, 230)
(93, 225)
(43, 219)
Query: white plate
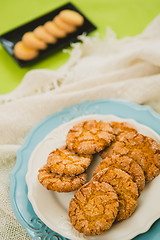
(52, 207)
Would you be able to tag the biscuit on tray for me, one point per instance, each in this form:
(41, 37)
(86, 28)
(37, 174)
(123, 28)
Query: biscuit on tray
(23, 52)
(68, 28)
(71, 17)
(43, 35)
(31, 41)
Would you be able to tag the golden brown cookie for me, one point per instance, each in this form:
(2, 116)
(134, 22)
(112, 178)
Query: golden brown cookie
(126, 164)
(89, 137)
(31, 41)
(122, 129)
(71, 17)
(63, 161)
(60, 183)
(116, 148)
(42, 34)
(144, 150)
(23, 52)
(54, 30)
(68, 28)
(94, 208)
(125, 188)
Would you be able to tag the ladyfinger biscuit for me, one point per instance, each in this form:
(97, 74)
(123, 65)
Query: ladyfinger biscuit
(71, 17)
(30, 40)
(68, 28)
(54, 30)
(43, 35)
(22, 52)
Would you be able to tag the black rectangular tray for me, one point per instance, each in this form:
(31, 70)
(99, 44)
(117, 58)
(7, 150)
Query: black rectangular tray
(10, 38)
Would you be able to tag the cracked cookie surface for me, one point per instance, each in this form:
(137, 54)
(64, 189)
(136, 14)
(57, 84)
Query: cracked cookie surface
(94, 208)
(89, 137)
(144, 150)
(125, 188)
(60, 183)
(122, 129)
(126, 164)
(64, 161)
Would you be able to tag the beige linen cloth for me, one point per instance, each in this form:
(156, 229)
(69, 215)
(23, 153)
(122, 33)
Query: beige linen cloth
(128, 68)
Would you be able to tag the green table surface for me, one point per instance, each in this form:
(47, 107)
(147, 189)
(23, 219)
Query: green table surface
(125, 17)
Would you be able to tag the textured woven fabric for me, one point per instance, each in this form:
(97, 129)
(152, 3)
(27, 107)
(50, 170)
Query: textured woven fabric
(9, 227)
(97, 69)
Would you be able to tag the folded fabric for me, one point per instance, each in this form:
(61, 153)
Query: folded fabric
(128, 68)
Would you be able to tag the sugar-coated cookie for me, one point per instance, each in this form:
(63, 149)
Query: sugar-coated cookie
(144, 150)
(64, 161)
(94, 208)
(122, 129)
(60, 183)
(71, 17)
(125, 188)
(22, 52)
(126, 164)
(30, 40)
(68, 28)
(89, 137)
(43, 35)
(54, 30)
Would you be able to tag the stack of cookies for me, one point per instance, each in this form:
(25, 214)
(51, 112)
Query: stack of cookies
(64, 23)
(130, 160)
(64, 171)
(66, 166)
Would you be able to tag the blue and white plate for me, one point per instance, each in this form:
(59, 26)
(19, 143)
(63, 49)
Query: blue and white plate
(44, 132)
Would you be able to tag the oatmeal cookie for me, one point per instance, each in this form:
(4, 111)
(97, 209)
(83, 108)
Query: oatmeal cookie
(125, 188)
(126, 164)
(64, 161)
(144, 150)
(60, 183)
(89, 137)
(94, 208)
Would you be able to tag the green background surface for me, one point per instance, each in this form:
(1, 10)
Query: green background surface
(125, 17)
